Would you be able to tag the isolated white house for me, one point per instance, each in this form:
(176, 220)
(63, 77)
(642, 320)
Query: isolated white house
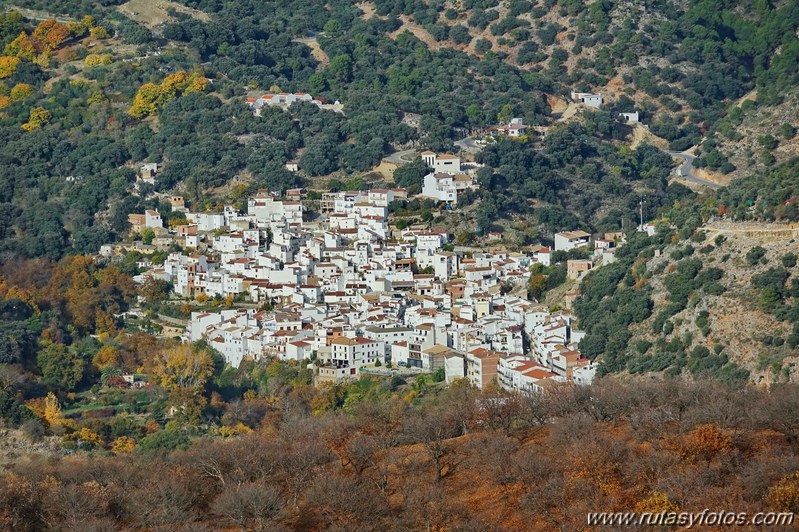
(515, 128)
(631, 118)
(588, 99)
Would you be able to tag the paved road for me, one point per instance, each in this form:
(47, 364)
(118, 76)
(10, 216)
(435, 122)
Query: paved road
(37, 15)
(401, 157)
(468, 144)
(172, 321)
(686, 170)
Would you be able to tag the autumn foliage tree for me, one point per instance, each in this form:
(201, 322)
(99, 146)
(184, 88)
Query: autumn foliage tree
(784, 496)
(8, 65)
(151, 97)
(23, 47)
(88, 295)
(20, 91)
(183, 367)
(50, 34)
(39, 116)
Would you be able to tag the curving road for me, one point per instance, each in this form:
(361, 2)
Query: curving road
(401, 157)
(686, 170)
(469, 144)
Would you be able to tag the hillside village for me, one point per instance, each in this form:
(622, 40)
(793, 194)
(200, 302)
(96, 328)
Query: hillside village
(354, 295)
(330, 265)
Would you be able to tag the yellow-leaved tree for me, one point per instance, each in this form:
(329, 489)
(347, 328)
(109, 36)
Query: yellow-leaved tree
(22, 47)
(99, 32)
(39, 116)
(151, 97)
(86, 437)
(21, 91)
(123, 445)
(8, 65)
(145, 102)
(81, 27)
(106, 356)
(183, 367)
(98, 59)
(52, 411)
(172, 86)
(657, 502)
(197, 84)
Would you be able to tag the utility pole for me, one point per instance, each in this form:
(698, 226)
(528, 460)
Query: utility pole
(641, 211)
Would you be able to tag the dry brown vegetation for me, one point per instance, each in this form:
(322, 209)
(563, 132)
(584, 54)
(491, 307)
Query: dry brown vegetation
(465, 462)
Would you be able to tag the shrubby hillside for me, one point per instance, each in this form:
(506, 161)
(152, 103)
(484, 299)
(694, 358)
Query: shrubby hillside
(713, 293)
(457, 460)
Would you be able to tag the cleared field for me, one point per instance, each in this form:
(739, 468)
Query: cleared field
(153, 13)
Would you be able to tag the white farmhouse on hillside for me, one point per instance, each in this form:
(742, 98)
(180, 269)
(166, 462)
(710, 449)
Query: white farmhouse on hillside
(588, 99)
(569, 240)
(630, 118)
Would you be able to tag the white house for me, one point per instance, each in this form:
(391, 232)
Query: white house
(631, 118)
(298, 350)
(588, 99)
(356, 352)
(515, 128)
(147, 173)
(207, 221)
(454, 366)
(543, 255)
(388, 336)
(441, 187)
(569, 240)
(151, 219)
(584, 375)
(444, 163)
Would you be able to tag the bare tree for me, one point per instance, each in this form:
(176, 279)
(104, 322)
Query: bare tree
(499, 411)
(370, 457)
(336, 433)
(165, 499)
(344, 499)
(252, 505)
(782, 408)
(432, 429)
(494, 454)
(299, 463)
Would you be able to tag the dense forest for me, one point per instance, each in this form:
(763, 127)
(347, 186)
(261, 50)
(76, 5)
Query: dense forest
(76, 89)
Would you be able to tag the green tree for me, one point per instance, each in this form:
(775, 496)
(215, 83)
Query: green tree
(410, 174)
(332, 28)
(61, 368)
(147, 235)
(340, 68)
(505, 114)
(164, 441)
